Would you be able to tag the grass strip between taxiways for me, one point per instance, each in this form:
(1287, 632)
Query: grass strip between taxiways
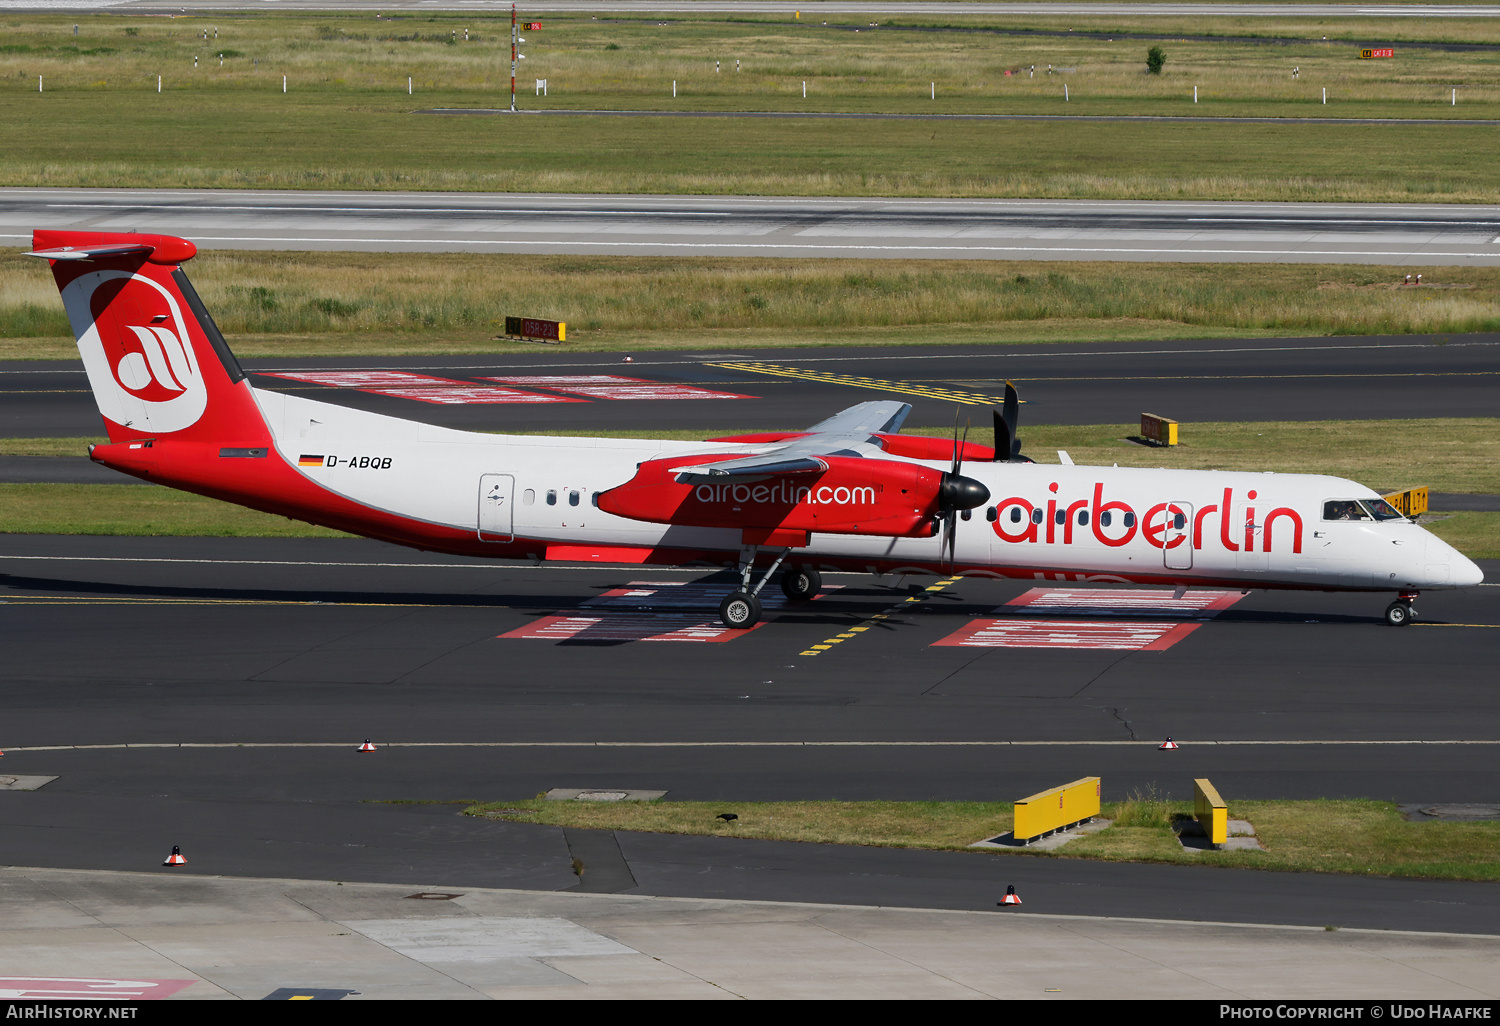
(1328, 836)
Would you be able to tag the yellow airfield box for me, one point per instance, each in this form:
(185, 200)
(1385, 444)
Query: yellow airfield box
(1410, 503)
(1052, 810)
(1158, 429)
(1211, 812)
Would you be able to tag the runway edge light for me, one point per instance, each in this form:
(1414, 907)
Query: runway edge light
(175, 859)
(1167, 746)
(1011, 898)
(367, 746)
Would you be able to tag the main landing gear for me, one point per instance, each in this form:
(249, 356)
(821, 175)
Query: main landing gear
(741, 609)
(1401, 612)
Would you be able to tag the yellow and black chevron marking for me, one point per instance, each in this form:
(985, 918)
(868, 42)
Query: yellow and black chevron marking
(951, 395)
(884, 614)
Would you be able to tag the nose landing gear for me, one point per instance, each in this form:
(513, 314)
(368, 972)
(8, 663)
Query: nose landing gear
(1401, 612)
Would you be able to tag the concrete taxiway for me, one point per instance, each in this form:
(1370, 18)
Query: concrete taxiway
(1403, 235)
(145, 936)
(1341, 377)
(211, 693)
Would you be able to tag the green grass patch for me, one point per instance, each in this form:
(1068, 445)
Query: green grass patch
(274, 304)
(1330, 836)
(347, 122)
(108, 509)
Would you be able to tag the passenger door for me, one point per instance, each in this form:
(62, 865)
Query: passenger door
(496, 520)
(1179, 526)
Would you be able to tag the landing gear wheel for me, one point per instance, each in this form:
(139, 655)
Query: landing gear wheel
(1399, 614)
(740, 611)
(800, 584)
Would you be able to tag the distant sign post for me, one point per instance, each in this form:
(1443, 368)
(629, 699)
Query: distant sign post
(1368, 53)
(533, 330)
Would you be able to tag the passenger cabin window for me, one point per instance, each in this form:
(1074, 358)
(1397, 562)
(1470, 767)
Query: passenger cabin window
(1345, 509)
(552, 496)
(529, 496)
(1178, 522)
(1015, 514)
(1036, 516)
(992, 514)
(1083, 517)
(573, 498)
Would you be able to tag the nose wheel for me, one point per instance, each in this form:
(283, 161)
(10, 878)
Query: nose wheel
(1401, 612)
(739, 611)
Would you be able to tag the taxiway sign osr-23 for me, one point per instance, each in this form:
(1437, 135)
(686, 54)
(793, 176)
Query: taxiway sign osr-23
(849, 493)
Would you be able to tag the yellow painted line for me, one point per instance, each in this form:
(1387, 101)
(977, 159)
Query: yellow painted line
(927, 593)
(856, 381)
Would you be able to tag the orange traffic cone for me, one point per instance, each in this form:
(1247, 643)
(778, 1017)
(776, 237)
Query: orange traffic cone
(1010, 896)
(367, 747)
(1167, 746)
(175, 859)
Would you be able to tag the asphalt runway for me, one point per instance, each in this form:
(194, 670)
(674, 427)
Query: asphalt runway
(1410, 236)
(272, 659)
(1329, 378)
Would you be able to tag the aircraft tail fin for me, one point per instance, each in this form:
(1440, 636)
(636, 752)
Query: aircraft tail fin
(157, 364)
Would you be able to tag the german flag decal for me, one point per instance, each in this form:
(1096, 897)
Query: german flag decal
(310, 461)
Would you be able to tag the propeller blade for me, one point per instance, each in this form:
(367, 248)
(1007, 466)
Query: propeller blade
(956, 459)
(1012, 417)
(1002, 438)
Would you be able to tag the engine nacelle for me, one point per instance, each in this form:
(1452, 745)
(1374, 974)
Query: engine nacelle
(853, 496)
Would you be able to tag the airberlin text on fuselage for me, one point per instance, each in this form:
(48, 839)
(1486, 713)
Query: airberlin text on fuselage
(784, 492)
(1164, 525)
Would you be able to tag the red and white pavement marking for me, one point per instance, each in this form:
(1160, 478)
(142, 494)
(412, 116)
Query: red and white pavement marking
(649, 611)
(1020, 630)
(421, 387)
(76, 988)
(1097, 634)
(612, 386)
(1122, 602)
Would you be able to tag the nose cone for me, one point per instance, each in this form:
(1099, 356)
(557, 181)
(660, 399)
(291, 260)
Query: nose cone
(958, 492)
(1466, 573)
(1454, 568)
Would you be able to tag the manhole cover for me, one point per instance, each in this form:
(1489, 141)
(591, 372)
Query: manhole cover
(602, 796)
(1461, 811)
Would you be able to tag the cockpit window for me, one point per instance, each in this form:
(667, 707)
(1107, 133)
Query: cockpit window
(1345, 509)
(1383, 510)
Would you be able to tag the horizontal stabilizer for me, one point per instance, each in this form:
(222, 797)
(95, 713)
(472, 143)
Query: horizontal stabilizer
(91, 252)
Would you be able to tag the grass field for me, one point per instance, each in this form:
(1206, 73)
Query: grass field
(1330, 836)
(304, 304)
(346, 121)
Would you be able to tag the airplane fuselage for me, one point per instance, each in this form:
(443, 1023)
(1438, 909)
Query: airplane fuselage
(537, 496)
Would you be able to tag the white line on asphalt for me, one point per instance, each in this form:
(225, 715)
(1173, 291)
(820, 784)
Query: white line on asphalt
(717, 744)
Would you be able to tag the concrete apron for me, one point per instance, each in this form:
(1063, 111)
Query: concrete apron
(195, 937)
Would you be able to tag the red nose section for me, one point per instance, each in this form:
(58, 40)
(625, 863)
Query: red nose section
(853, 496)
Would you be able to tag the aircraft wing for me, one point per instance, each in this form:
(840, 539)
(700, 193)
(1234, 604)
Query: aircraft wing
(843, 434)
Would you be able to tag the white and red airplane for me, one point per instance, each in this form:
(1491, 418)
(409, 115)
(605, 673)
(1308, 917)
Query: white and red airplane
(849, 493)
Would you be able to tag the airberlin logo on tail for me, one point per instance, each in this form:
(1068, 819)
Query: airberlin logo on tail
(136, 348)
(156, 371)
